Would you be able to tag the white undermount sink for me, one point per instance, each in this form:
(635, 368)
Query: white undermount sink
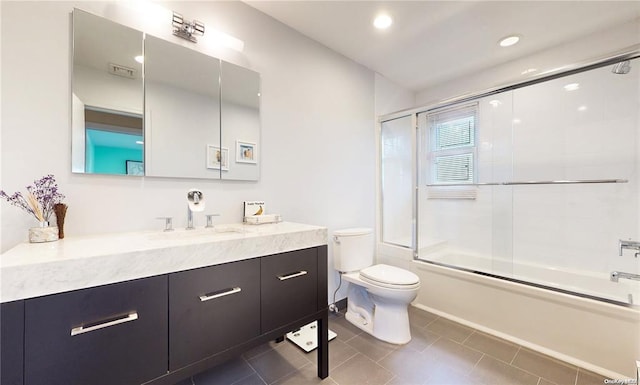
(222, 231)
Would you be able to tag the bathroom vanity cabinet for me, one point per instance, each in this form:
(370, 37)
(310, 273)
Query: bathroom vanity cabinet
(221, 311)
(163, 328)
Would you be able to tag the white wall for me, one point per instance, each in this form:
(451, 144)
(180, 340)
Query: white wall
(390, 97)
(318, 142)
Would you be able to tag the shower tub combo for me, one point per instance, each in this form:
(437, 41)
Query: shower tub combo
(515, 200)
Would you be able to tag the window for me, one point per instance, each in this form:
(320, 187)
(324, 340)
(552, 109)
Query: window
(453, 145)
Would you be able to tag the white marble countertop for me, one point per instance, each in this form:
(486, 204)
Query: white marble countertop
(35, 269)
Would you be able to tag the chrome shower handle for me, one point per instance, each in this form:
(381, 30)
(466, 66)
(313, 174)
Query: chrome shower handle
(628, 244)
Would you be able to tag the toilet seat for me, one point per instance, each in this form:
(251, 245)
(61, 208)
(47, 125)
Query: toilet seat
(390, 277)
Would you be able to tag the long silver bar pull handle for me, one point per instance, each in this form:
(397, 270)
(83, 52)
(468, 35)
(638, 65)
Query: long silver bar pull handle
(292, 275)
(218, 295)
(81, 329)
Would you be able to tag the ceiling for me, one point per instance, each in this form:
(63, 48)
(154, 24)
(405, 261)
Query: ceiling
(431, 42)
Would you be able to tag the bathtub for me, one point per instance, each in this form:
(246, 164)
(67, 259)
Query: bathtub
(580, 283)
(599, 336)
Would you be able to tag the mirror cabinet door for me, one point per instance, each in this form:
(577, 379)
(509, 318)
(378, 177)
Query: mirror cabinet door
(107, 97)
(240, 94)
(182, 112)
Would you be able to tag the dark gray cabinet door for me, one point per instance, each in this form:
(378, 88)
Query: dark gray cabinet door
(289, 284)
(211, 309)
(12, 341)
(107, 335)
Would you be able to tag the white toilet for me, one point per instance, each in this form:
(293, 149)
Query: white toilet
(378, 295)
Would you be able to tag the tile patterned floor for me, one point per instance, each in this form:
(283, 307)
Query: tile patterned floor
(441, 352)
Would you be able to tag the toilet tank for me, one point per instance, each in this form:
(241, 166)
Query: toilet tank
(352, 249)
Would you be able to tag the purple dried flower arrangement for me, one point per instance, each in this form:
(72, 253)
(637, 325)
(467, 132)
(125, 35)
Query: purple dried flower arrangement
(40, 199)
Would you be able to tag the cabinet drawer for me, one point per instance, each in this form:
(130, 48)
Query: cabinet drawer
(211, 309)
(114, 334)
(289, 287)
(11, 336)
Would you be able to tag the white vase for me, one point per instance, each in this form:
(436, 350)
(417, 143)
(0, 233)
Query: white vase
(43, 233)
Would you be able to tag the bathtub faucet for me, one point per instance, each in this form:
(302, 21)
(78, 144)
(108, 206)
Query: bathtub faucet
(615, 275)
(629, 244)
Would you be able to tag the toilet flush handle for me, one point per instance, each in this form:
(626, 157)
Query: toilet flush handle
(336, 239)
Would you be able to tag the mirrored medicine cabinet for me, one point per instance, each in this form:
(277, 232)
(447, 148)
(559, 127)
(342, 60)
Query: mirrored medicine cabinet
(142, 105)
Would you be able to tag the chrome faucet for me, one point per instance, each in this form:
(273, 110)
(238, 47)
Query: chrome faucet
(628, 244)
(615, 275)
(189, 218)
(195, 202)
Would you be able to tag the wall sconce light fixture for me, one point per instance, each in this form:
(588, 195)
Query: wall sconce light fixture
(186, 29)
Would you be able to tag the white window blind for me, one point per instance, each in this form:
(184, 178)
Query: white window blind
(453, 150)
(454, 168)
(455, 133)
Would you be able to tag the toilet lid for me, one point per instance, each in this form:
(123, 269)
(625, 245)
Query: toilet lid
(390, 275)
(352, 232)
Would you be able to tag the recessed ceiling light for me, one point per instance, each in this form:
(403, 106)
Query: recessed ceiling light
(582, 108)
(509, 40)
(516, 121)
(139, 59)
(572, 86)
(529, 70)
(495, 102)
(382, 21)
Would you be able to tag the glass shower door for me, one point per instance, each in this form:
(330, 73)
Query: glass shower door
(539, 186)
(462, 222)
(397, 176)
